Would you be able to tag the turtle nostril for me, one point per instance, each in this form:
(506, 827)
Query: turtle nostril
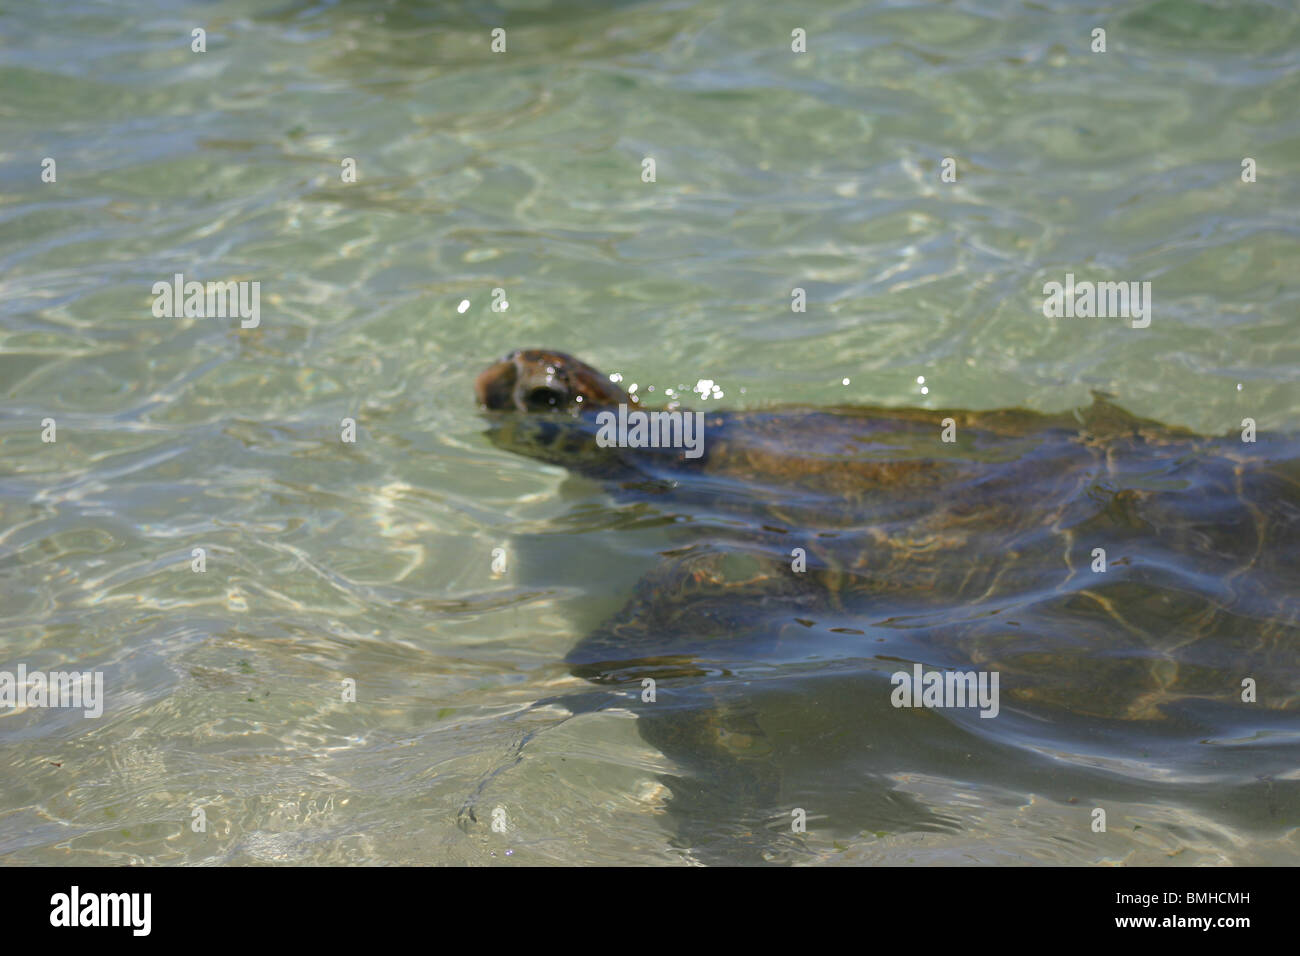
(544, 397)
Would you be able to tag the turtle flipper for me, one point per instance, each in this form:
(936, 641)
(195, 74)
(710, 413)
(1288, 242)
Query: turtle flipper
(713, 650)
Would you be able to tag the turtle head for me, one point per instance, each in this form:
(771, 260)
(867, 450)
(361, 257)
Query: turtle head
(541, 380)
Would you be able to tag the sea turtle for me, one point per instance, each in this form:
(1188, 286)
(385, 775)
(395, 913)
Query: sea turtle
(1127, 581)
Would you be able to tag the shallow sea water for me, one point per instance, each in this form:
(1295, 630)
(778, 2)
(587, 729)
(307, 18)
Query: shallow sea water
(522, 171)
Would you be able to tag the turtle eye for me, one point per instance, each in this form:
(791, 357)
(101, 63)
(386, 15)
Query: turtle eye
(544, 397)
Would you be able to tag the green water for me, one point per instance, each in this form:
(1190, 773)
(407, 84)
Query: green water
(522, 171)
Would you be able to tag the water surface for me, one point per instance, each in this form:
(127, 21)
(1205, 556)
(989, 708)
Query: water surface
(522, 171)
